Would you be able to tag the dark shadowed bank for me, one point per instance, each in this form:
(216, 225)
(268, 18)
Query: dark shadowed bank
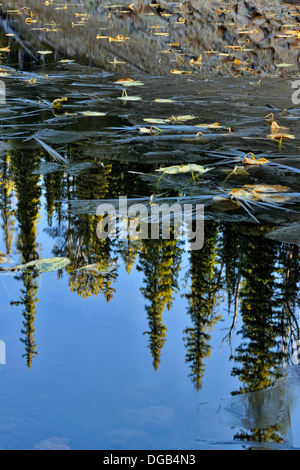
(241, 38)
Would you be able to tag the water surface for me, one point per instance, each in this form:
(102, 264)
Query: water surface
(170, 348)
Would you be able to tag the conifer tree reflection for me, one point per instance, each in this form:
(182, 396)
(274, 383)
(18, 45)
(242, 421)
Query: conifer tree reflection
(27, 213)
(160, 262)
(289, 257)
(230, 260)
(129, 250)
(264, 296)
(75, 233)
(53, 192)
(7, 203)
(261, 313)
(205, 278)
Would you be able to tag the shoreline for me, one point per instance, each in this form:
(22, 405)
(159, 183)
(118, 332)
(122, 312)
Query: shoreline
(242, 41)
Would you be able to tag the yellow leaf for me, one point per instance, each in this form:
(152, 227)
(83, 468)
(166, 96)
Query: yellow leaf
(183, 118)
(238, 171)
(176, 169)
(128, 82)
(44, 52)
(267, 188)
(273, 198)
(155, 121)
(284, 65)
(93, 114)
(57, 103)
(257, 194)
(152, 130)
(280, 136)
(216, 125)
(125, 97)
(66, 61)
(162, 100)
(196, 62)
(253, 161)
(242, 193)
(180, 72)
(224, 204)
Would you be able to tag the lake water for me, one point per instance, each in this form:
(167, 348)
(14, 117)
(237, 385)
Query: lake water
(162, 347)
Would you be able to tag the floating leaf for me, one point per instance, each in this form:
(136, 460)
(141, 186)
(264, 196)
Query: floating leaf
(253, 161)
(45, 52)
(57, 103)
(100, 269)
(196, 62)
(125, 97)
(48, 265)
(161, 100)
(151, 130)
(272, 198)
(93, 114)
(284, 65)
(129, 82)
(176, 169)
(225, 204)
(242, 193)
(267, 188)
(216, 125)
(155, 121)
(256, 193)
(184, 118)
(281, 136)
(66, 61)
(43, 266)
(180, 72)
(275, 128)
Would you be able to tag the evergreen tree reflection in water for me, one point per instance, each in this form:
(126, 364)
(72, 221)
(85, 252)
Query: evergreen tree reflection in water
(160, 262)
(260, 278)
(28, 190)
(205, 278)
(268, 296)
